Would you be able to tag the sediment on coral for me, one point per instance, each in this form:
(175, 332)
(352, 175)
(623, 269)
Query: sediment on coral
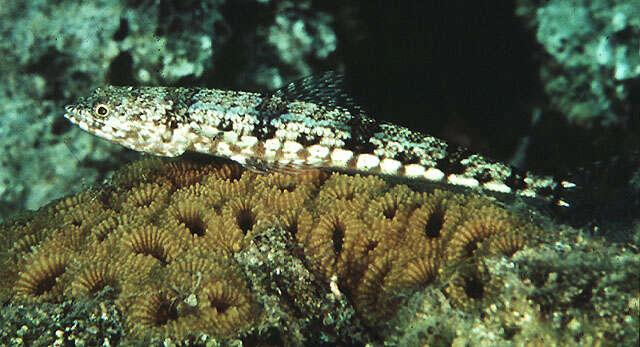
(159, 242)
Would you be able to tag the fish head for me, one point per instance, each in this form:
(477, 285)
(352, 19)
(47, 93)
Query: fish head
(139, 118)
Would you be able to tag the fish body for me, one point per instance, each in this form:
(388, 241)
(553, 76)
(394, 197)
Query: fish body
(308, 124)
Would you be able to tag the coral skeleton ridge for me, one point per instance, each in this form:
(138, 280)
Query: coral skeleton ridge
(162, 241)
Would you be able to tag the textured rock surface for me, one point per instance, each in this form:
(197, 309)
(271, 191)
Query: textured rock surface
(593, 56)
(85, 323)
(575, 289)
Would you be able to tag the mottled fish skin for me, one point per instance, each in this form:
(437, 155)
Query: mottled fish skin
(273, 131)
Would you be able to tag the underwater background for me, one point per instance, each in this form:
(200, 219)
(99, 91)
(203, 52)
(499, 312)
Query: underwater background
(552, 87)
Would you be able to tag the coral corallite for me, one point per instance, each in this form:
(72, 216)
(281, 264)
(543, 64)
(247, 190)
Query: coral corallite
(159, 242)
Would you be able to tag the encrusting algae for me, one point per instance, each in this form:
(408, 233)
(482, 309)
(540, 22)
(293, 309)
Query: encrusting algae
(159, 241)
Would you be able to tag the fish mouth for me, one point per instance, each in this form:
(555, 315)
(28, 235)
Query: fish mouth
(69, 109)
(72, 113)
(75, 114)
(82, 116)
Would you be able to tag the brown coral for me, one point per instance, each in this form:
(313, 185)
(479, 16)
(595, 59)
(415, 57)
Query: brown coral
(198, 265)
(146, 170)
(164, 233)
(39, 279)
(325, 241)
(396, 205)
(111, 223)
(219, 191)
(243, 213)
(436, 219)
(162, 244)
(224, 306)
(147, 199)
(486, 222)
(73, 218)
(418, 269)
(372, 294)
(353, 192)
(23, 238)
(186, 173)
(192, 214)
(158, 310)
(96, 278)
(509, 243)
(404, 240)
(197, 192)
(470, 284)
(297, 221)
(110, 271)
(81, 199)
(283, 192)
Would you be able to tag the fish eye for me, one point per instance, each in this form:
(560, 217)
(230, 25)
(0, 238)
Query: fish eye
(102, 110)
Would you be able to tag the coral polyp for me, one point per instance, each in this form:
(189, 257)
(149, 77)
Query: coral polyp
(169, 243)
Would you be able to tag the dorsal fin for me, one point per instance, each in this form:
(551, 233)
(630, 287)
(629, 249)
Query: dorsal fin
(326, 89)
